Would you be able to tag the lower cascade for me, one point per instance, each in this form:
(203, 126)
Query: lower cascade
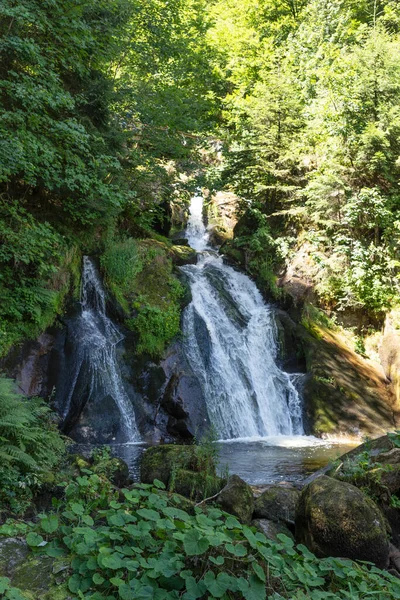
(230, 341)
(94, 381)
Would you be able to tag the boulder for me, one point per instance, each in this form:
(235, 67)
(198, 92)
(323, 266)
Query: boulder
(237, 499)
(334, 518)
(158, 462)
(183, 255)
(38, 576)
(271, 529)
(195, 485)
(277, 503)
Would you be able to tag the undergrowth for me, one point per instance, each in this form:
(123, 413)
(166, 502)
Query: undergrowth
(30, 447)
(137, 544)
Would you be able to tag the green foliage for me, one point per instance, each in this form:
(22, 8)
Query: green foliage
(312, 121)
(156, 327)
(30, 445)
(394, 437)
(121, 264)
(96, 100)
(138, 544)
(140, 275)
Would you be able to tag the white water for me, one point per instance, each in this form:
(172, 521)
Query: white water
(230, 343)
(97, 338)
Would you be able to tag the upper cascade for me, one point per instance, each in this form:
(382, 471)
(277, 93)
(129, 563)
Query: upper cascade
(230, 340)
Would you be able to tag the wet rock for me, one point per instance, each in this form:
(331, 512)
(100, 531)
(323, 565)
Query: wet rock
(271, 529)
(334, 518)
(394, 556)
(183, 255)
(237, 499)
(180, 428)
(171, 401)
(277, 503)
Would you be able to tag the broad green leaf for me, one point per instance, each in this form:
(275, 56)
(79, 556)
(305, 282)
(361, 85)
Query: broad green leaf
(194, 543)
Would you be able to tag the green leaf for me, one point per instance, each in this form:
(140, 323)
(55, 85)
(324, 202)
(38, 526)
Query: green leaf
(125, 592)
(77, 508)
(34, 540)
(87, 519)
(233, 523)
(195, 544)
(49, 524)
(217, 587)
(256, 590)
(149, 514)
(218, 560)
(194, 589)
(159, 484)
(4, 584)
(176, 513)
(98, 579)
(111, 561)
(259, 571)
(74, 583)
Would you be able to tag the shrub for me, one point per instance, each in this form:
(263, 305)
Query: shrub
(30, 445)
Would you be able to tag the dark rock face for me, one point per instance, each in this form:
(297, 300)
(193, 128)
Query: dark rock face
(271, 529)
(277, 503)
(237, 499)
(29, 364)
(334, 518)
(182, 399)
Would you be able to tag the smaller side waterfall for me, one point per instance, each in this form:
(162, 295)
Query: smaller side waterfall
(94, 379)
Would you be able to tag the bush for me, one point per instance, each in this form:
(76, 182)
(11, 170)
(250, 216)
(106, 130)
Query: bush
(140, 276)
(30, 445)
(121, 263)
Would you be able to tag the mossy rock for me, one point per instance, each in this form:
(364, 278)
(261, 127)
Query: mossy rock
(195, 486)
(181, 502)
(334, 518)
(277, 503)
(159, 462)
(271, 529)
(183, 255)
(116, 470)
(237, 499)
(78, 461)
(39, 577)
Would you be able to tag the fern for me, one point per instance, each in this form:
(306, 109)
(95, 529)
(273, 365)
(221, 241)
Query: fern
(28, 440)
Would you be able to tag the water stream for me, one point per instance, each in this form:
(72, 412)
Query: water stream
(230, 341)
(93, 374)
(230, 344)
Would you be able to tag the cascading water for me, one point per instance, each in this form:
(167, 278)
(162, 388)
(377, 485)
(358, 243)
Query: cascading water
(93, 375)
(230, 343)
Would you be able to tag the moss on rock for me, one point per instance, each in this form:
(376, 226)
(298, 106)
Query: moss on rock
(277, 503)
(334, 518)
(237, 498)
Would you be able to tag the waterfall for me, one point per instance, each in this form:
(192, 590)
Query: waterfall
(230, 341)
(93, 375)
